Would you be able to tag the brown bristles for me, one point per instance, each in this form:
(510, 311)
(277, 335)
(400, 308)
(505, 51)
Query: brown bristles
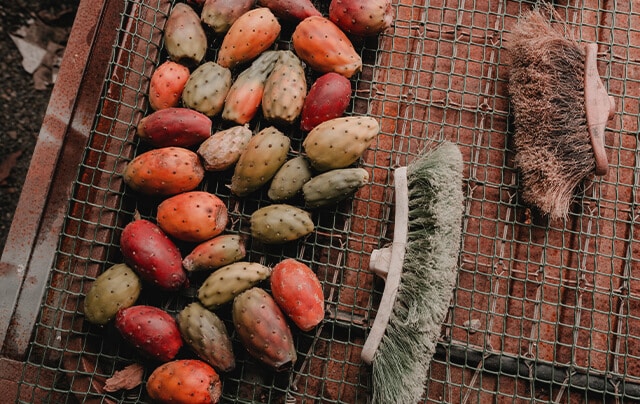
(551, 140)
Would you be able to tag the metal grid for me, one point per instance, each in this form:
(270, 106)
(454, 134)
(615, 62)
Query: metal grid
(542, 311)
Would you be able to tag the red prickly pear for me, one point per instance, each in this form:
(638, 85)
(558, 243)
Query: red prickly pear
(262, 329)
(250, 35)
(361, 17)
(182, 127)
(221, 14)
(298, 292)
(328, 98)
(291, 9)
(164, 171)
(325, 47)
(193, 216)
(154, 257)
(166, 85)
(184, 38)
(184, 381)
(151, 330)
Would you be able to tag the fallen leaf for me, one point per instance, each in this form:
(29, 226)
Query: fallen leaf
(7, 165)
(125, 379)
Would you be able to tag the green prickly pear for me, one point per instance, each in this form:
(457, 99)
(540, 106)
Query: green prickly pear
(339, 142)
(116, 288)
(205, 333)
(333, 186)
(285, 89)
(184, 38)
(280, 223)
(227, 282)
(221, 14)
(206, 89)
(265, 153)
(263, 330)
(289, 179)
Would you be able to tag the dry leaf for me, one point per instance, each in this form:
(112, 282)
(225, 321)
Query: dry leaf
(125, 379)
(7, 165)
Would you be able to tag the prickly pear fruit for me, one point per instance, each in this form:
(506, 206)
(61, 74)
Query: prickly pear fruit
(116, 288)
(250, 35)
(151, 330)
(333, 186)
(285, 89)
(154, 257)
(245, 95)
(325, 47)
(164, 171)
(166, 85)
(184, 381)
(291, 9)
(339, 142)
(207, 88)
(265, 153)
(215, 253)
(280, 223)
(289, 179)
(298, 292)
(181, 127)
(361, 17)
(262, 329)
(328, 98)
(229, 281)
(205, 333)
(193, 216)
(184, 38)
(221, 14)
(223, 149)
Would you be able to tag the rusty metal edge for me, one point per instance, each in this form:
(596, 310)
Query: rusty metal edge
(32, 240)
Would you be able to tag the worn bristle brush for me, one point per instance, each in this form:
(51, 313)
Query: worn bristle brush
(420, 269)
(560, 109)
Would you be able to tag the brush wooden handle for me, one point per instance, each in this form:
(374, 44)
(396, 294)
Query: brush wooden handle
(599, 108)
(378, 262)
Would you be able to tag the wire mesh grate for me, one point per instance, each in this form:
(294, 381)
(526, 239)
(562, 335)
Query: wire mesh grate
(541, 312)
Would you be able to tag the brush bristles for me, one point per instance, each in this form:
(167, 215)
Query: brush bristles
(400, 367)
(551, 139)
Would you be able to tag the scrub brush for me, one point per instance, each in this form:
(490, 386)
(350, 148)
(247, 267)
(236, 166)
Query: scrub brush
(420, 270)
(561, 109)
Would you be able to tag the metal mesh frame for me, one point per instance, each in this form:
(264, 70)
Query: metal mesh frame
(542, 311)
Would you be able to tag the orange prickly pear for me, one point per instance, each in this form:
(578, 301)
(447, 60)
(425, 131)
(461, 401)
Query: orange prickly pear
(245, 95)
(184, 381)
(182, 127)
(361, 17)
(152, 255)
(328, 98)
(167, 83)
(250, 35)
(193, 216)
(151, 330)
(164, 171)
(325, 47)
(184, 38)
(262, 328)
(291, 9)
(298, 292)
(221, 14)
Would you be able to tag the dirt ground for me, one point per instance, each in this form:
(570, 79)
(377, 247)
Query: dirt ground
(22, 105)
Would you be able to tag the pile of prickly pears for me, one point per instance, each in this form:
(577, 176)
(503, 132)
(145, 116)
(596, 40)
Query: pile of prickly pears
(235, 113)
